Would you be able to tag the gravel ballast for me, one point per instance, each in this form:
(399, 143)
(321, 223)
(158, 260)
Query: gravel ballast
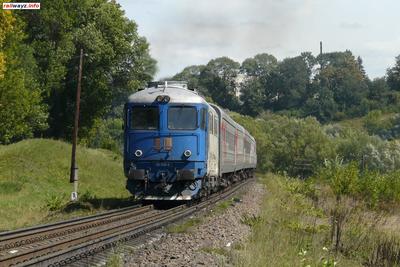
(208, 242)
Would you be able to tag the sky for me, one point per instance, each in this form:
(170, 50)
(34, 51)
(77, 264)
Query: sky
(192, 32)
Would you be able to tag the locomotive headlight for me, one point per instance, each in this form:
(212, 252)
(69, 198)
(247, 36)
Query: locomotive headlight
(138, 153)
(187, 153)
(166, 99)
(163, 98)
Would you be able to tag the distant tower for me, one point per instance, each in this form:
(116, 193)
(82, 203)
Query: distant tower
(320, 47)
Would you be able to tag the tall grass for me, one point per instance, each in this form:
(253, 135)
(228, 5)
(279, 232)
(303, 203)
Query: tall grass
(317, 223)
(291, 231)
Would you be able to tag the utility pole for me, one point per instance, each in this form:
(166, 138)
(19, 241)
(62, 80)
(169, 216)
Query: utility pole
(74, 167)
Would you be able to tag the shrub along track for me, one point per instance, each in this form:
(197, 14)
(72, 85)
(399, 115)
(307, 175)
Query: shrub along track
(65, 242)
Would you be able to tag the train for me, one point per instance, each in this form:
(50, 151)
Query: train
(179, 147)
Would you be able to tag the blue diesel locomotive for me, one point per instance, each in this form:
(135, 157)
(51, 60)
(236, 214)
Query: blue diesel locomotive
(179, 147)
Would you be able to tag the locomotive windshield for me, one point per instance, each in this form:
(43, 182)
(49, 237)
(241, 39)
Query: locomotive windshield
(144, 118)
(182, 118)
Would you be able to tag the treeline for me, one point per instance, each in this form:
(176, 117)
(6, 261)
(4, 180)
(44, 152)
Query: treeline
(331, 86)
(305, 148)
(39, 58)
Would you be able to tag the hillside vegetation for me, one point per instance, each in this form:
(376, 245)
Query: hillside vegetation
(35, 188)
(309, 224)
(333, 199)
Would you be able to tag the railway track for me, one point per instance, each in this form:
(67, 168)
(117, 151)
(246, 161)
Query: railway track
(69, 241)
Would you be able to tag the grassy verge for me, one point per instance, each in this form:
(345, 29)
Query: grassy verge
(35, 188)
(308, 224)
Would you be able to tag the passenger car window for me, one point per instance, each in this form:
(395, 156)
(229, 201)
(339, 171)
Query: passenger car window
(182, 118)
(145, 118)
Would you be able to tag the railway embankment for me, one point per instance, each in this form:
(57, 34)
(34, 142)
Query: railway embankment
(35, 188)
(209, 238)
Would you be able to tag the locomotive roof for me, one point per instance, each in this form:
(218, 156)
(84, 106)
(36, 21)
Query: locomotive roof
(178, 94)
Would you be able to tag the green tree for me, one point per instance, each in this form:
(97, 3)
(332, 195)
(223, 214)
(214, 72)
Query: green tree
(342, 74)
(321, 104)
(378, 93)
(21, 110)
(219, 78)
(254, 88)
(393, 75)
(259, 66)
(117, 61)
(292, 82)
(6, 22)
(191, 75)
(257, 71)
(253, 97)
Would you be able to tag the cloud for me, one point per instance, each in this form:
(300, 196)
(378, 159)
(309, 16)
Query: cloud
(187, 32)
(201, 30)
(351, 25)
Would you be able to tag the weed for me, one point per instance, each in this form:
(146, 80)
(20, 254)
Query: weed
(306, 188)
(55, 202)
(222, 206)
(286, 227)
(251, 220)
(216, 251)
(298, 226)
(87, 196)
(114, 261)
(10, 187)
(185, 226)
(386, 252)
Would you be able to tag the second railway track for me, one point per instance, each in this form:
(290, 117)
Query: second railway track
(65, 242)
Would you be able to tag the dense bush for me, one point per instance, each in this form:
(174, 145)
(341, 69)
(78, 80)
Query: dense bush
(371, 152)
(297, 147)
(106, 134)
(385, 127)
(258, 129)
(371, 186)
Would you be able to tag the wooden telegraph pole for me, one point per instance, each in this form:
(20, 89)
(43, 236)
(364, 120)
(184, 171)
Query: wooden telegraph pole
(74, 167)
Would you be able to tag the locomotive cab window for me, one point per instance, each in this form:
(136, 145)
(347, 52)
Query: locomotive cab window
(145, 118)
(182, 118)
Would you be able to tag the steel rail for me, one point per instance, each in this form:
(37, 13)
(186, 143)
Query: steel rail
(13, 239)
(69, 241)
